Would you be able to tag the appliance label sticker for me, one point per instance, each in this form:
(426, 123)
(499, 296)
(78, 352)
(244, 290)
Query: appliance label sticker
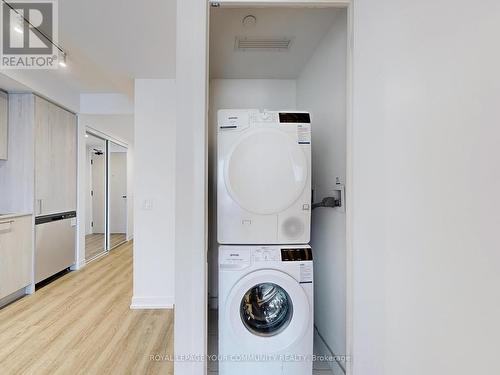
(304, 134)
(306, 273)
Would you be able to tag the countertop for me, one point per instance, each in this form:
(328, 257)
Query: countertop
(12, 216)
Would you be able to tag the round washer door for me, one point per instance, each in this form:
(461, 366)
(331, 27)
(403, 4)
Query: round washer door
(270, 308)
(266, 309)
(266, 171)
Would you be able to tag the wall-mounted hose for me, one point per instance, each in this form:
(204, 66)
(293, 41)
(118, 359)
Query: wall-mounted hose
(328, 202)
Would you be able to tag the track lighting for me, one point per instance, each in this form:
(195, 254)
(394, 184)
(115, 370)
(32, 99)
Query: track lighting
(19, 25)
(62, 60)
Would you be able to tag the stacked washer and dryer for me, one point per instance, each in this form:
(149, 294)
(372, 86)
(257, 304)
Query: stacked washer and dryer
(263, 228)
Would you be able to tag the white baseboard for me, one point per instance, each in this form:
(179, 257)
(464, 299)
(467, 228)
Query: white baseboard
(152, 303)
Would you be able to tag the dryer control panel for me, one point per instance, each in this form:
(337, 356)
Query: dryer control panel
(296, 254)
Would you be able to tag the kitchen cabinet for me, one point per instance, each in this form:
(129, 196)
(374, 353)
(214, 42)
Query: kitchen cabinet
(55, 158)
(38, 178)
(4, 124)
(16, 253)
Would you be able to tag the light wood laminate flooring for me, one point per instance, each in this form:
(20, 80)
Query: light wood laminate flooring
(94, 243)
(82, 324)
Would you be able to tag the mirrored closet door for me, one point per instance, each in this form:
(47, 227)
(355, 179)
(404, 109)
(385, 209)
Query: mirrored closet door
(95, 202)
(117, 195)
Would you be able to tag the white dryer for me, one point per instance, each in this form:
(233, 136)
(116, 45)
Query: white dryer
(265, 310)
(263, 177)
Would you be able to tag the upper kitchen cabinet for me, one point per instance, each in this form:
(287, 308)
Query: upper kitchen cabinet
(55, 158)
(40, 175)
(4, 125)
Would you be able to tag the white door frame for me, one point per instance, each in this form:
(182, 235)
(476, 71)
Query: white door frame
(191, 176)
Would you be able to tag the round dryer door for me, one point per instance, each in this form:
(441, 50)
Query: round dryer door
(266, 171)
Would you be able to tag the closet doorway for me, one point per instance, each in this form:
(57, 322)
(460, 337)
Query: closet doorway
(106, 195)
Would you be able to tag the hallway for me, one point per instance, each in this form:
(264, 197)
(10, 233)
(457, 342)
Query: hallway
(82, 324)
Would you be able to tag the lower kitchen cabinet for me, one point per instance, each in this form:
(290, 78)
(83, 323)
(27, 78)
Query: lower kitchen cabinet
(16, 254)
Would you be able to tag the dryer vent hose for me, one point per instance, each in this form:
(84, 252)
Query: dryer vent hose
(327, 202)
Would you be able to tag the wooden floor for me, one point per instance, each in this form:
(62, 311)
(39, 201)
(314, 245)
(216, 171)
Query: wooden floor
(82, 324)
(94, 243)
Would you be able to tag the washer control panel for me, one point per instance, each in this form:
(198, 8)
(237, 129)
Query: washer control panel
(235, 257)
(240, 257)
(264, 117)
(266, 254)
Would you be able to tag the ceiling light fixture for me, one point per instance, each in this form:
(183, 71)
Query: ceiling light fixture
(62, 60)
(20, 29)
(19, 26)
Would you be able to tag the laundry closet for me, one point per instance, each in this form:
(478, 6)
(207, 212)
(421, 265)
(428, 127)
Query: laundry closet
(288, 62)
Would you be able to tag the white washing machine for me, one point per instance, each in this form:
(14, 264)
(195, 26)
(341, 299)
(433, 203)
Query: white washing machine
(263, 177)
(265, 310)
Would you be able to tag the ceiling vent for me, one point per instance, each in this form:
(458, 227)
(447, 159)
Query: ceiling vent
(262, 44)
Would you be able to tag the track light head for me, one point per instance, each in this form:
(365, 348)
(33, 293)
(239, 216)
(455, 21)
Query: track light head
(62, 60)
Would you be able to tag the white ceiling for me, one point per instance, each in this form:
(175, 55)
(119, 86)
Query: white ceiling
(306, 27)
(112, 42)
(109, 43)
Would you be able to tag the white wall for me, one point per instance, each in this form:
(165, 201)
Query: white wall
(106, 104)
(271, 94)
(120, 127)
(321, 90)
(426, 203)
(190, 326)
(154, 244)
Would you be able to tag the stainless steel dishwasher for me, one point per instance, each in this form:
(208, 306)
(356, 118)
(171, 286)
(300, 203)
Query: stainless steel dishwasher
(55, 244)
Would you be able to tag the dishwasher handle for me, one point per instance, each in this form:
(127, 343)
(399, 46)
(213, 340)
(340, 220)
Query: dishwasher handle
(55, 217)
